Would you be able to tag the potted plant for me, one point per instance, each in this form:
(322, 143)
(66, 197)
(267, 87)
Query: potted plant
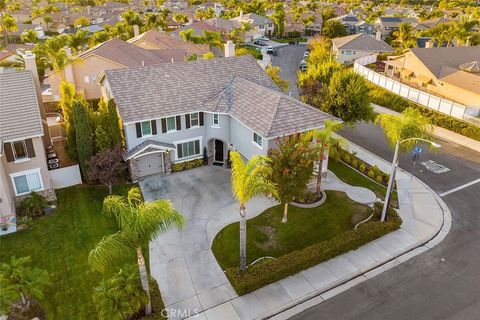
(4, 224)
(205, 156)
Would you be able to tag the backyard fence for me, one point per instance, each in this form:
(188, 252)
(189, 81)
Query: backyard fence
(65, 177)
(422, 98)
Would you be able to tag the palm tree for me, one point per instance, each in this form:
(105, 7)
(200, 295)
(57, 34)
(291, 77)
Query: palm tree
(404, 36)
(22, 281)
(3, 6)
(139, 223)
(248, 181)
(48, 21)
(324, 138)
(119, 296)
(30, 36)
(53, 54)
(411, 124)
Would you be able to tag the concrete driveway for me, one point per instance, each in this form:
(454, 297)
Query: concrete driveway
(187, 272)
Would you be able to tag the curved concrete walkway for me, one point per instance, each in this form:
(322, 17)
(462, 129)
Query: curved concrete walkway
(182, 261)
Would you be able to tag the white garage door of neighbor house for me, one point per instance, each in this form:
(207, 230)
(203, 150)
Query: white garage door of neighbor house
(149, 164)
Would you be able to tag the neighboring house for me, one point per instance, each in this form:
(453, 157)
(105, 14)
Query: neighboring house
(9, 54)
(450, 72)
(199, 28)
(348, 49)
(297, 24)
(387, 25)
(171, 112)
(111, 54)
(355, 25)
(91, 29)
(225, 24)
(260, 26)
(23, 164)
(154, 39)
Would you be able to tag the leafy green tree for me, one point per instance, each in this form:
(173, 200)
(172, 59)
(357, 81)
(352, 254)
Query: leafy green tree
(98, 37)
(108, 167)
(81, 22)
(274, 73)
(248, 180)
(334, 29)
(204, 14)
(328, 13)
(52, 53)
(120, 296)
(3, 7)
(348, 97)
(48, 21)
(139, 223)
(154, 21)
(411, 124)
(22, 282)
(291, 167)
(79, 40)
(314, 83)
(320, 51)
(181, 18)
(278, 18)
(83, 135)
(8, 25)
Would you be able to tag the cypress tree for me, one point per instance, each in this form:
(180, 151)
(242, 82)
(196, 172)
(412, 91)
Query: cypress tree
(83, 135)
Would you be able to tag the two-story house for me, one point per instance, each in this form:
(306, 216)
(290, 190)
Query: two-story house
(260, 26)
(175, 112)
(354, 25)
(349, 48)
(23, 164)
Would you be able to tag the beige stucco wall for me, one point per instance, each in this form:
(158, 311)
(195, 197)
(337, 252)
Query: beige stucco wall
(39, 161)
(6, 196)
(348, 59)
(90, 66)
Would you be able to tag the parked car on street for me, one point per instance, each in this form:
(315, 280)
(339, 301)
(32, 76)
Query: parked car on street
(303, 65)
(259, 43)
(305, 54)
(270, 50)
(264, 38)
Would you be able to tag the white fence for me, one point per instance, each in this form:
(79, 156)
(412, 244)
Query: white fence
(423, 98)
(65, 177)
(363, 61)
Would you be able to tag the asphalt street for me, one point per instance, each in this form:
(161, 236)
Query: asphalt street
(287, 59)
(442, 283)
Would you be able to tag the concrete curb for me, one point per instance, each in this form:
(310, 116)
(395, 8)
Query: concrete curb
(305, 303)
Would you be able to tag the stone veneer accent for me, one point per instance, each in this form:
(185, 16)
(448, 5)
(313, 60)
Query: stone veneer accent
(49, 195)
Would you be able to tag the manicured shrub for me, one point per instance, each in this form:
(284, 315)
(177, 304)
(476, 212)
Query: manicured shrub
(355, 163)
(176, 167)
(347, 159)
(260, 275)
(33, 205)
(371, 174)
(362, 167)
(379, 179)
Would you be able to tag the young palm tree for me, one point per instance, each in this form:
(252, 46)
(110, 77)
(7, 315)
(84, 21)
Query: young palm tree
(404, 36)
(324, 137)
(411, 124)
(119, 296)
(248, 181)
(22, 281)
(139, 223)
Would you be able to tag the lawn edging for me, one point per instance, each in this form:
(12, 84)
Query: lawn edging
(270, 271)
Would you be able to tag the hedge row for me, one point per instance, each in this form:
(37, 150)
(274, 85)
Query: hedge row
(262, 274)
(395, 102)
(176, 167)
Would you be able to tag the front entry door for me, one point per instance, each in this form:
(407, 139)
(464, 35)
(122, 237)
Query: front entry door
(219, 151)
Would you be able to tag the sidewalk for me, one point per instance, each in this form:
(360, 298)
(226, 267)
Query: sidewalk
(425, 217)
(439, 132)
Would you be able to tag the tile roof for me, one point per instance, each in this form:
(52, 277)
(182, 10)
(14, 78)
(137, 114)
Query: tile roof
(237, 86)
(12, 48)
(125, 54)
(168, 89)
(436, 58)
(19, 109)
(145, 146)
(361, 41)
(166, 41)
(253, 18)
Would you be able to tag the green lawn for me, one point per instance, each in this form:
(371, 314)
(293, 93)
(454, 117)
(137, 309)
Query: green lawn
(354, 178)
(60, 243)
(268, 236)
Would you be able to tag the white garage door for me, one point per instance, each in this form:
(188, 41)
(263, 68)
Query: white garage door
(149, 164)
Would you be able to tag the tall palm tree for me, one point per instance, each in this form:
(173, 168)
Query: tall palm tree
(248, 180)
(53, 54)
(404, 36)
(139, 223)
(23, 281)
(324, 138)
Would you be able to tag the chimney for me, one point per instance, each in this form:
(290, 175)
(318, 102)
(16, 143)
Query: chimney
(31, 64)
(229, 49)
(136, 30)
(89, 10)
(429, 44)
(241, 14)
(469, 42)
(68, 68)
(378, 36)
